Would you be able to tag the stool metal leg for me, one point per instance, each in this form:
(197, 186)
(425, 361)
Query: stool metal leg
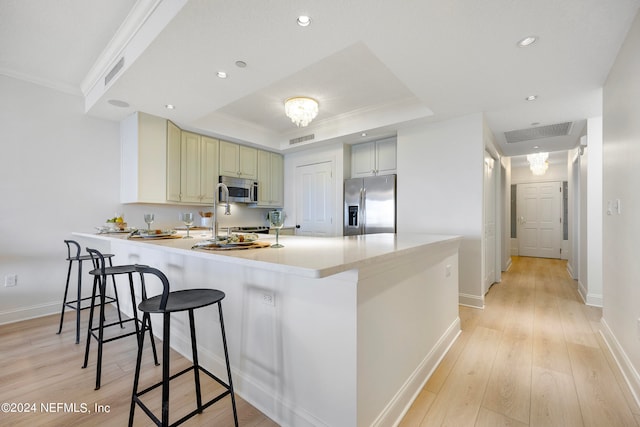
(196, 365)
(103, 286)
(91, 309)
(64, 299)
(166, 317)
(143, 291)
(136, 377)
(226, 358)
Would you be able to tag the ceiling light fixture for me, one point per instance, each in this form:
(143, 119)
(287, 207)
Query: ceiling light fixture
(531, 98)
(170, 107)
(527, 41)
(241, 64)
(221, 74)
(538, 163)
(118, 103)
(303, 20)
(301, 110)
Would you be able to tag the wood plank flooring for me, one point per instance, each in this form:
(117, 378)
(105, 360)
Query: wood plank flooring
(43, 370)
(532, 357)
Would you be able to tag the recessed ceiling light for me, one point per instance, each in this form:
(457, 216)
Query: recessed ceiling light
(170, 107)
(363, 134)
(241, 64)
(527, 41)
(303, 20)
(221, 74)
(531, 97)
(118, 103)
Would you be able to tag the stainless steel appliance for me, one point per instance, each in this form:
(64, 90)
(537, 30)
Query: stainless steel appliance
(370, 205)
(241, 190)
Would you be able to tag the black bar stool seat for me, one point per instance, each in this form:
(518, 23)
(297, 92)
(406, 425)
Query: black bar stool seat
(77, 303)
(167, 303)
(100, 273)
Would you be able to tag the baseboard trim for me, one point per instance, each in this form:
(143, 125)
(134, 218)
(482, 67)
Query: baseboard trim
(629, 372)
(469, 300)
(30, 312)
(595, 300)
(398, 406)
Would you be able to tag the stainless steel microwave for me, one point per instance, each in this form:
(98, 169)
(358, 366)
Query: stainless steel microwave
(241, 190)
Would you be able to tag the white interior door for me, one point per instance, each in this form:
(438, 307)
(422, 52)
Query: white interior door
(314, 199)
(489, 222)
(539, 216)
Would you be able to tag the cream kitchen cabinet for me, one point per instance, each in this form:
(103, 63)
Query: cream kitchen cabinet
(198, 168)
(174, 138)
(238, 160)
(143, 149)
(373, 158)
(270, 179)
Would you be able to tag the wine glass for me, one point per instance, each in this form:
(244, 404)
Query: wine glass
(148, 218)
(276, 218)
(187, 218)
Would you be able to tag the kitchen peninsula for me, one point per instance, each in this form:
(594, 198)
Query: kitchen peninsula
(339, 331)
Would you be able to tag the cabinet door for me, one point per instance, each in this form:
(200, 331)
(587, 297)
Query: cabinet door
(363, 160)
(248, 162)
(190, 167)
(386, 156)
(264, 178)
(229, 158)
(277, 180)
(208, 168)
(173, 162)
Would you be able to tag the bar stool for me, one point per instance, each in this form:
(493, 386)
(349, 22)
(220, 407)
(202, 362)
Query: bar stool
(100, 273)
(172, 302)
(78, 301)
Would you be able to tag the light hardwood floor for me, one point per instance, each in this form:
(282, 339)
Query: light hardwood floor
(38, 367)
(532, 357)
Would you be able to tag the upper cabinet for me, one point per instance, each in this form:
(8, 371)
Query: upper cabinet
(238, 160)
(270, 179)
(198, 168)
(374, 158)
(174, 140)
(143, 148)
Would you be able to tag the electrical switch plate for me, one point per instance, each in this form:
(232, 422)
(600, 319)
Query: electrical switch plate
(10, 280)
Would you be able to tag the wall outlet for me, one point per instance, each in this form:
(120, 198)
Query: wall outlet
(268, 299)
(10, 280)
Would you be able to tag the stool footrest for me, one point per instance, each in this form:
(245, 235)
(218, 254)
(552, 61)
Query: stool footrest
(136, 397)
(93, 331)
(69, 304)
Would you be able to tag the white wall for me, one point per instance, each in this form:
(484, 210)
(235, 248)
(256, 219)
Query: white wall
(437, 198)
(592, 294)
(59, 171)
(522, 174)
(621, 232)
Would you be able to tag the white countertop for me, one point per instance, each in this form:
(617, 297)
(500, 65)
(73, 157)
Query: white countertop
(305, 256)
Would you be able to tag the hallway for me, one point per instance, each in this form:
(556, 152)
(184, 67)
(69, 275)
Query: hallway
(532, 357)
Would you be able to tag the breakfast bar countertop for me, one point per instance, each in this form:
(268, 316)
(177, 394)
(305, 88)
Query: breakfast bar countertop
(313, 257)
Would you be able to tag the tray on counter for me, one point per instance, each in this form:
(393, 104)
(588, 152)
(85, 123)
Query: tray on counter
(232, 246)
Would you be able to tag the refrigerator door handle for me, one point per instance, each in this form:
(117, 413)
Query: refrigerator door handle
(363, 210)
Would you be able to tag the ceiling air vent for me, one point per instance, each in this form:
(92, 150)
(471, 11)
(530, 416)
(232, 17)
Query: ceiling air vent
(301, 139)
(114, 71)
(559, 129)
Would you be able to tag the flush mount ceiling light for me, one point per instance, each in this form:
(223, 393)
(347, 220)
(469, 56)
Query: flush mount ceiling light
(170, 107)
(531, 98)
(527, 41)
(303, 20)
(301, 110)
(221, 74)
(538, 163)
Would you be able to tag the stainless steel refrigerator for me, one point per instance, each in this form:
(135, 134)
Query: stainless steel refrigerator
(370, 205)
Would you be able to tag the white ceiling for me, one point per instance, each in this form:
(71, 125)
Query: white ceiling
(373, 66)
